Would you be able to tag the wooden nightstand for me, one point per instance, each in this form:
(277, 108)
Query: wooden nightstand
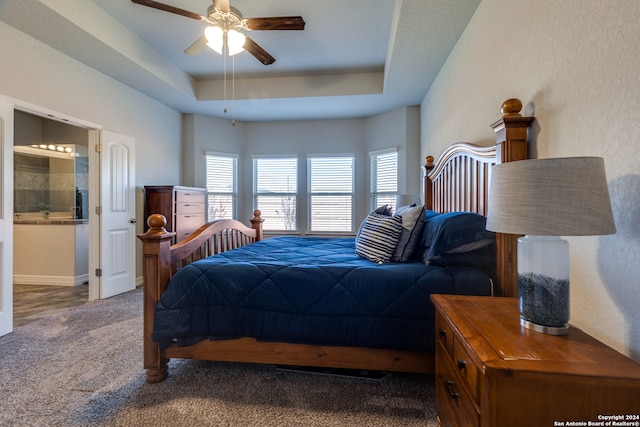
(492, 372)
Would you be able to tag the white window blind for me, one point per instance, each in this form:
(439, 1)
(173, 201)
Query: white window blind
(384, 178)
(330, 189)
(275, 192)
(222, 186)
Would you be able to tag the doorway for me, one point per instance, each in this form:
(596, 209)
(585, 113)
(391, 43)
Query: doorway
(51, 221)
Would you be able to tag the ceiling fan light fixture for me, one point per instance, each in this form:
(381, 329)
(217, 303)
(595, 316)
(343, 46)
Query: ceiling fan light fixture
(214, 36)
(223, 37)
(235, 42)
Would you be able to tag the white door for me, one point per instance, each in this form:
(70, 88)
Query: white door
(6, 217)
(118, 215)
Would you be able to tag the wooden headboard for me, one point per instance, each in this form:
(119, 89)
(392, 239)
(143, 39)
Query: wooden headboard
(459, 181)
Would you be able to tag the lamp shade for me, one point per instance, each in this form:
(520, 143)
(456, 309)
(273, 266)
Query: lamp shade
(550, 197)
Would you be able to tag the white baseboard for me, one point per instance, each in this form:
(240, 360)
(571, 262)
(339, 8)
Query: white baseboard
(23, 279)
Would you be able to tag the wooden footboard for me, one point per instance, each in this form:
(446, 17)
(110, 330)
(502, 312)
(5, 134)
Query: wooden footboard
(161, 260)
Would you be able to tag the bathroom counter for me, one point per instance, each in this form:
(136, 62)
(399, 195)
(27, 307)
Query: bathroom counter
(51, 251)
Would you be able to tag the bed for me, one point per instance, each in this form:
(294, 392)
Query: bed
(227, 294)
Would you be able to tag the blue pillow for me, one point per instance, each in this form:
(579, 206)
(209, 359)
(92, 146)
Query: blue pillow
(430, 214)
(456, 232)
(483, 258)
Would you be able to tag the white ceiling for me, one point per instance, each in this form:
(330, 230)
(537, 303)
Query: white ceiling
(355, 58)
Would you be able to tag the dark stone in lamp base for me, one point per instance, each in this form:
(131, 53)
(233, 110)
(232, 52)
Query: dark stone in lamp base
(543, 300)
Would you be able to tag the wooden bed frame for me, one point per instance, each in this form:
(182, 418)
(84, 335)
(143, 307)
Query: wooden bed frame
(458, 182)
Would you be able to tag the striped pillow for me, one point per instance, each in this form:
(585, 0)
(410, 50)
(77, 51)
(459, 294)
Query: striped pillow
(378, 237)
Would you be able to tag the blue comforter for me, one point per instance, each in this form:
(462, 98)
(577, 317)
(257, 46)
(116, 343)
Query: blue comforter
(308, 290)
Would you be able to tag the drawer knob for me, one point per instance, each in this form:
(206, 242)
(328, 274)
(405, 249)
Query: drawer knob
(450, 390)
(462, 364)
(443, 335)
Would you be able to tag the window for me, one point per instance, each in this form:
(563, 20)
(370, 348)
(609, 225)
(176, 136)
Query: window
(384, 178)
(275, 190)
(222, 186)
(330, 189)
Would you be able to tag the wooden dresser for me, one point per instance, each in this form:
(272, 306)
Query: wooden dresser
(492, 372)
(184, 207)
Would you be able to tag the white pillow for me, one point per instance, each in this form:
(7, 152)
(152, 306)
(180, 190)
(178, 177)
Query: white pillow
(409, 214)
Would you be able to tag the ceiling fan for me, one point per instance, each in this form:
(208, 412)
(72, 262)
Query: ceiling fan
(226, 23)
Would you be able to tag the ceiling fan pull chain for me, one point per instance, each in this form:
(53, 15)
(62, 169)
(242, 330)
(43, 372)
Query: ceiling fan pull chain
(225, 49)
(233, 91)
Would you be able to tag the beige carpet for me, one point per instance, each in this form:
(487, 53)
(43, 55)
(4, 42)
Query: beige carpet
(83, 367)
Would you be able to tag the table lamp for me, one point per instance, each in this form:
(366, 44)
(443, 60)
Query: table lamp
(407, 199)
(545, 199)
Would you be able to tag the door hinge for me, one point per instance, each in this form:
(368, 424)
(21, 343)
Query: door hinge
(98, 148)
(98, 210)
(98, 272)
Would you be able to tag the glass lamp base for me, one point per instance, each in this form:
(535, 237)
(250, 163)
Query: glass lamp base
(550, 330)
(543, 284)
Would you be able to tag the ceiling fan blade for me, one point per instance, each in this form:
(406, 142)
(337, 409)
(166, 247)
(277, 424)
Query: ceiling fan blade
(168, 8)
(222, 5)
(261, 55)
(197, 47)
(276, 23)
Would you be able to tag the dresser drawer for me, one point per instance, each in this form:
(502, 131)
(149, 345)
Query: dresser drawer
(190, 197)
(457, 353)
(188, 223)
(454, 404)
(467, 370)
(189, 208)
(444, 332)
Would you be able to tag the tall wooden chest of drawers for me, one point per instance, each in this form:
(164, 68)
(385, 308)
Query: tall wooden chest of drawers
(184, 207)
(490, 371)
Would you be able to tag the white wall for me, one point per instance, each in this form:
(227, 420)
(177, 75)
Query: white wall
(399, 128)
(201, 134)
(574, 64)
(36, 74)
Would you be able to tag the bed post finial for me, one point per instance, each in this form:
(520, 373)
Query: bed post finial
(156, 223)
(511, 107)
(427, 192)
(429, 161)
